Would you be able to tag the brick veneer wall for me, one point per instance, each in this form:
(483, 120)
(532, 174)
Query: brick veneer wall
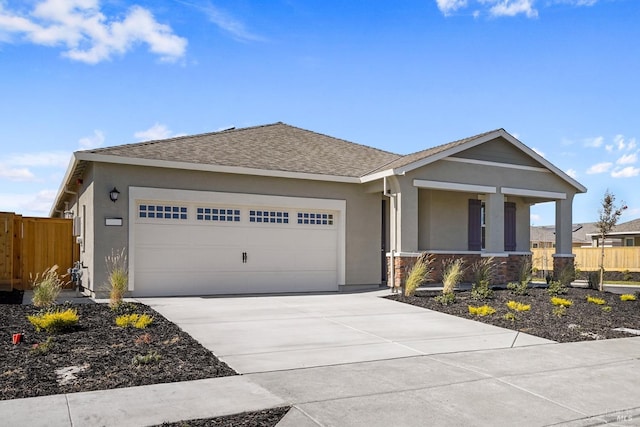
(507, 268)
(559, 263)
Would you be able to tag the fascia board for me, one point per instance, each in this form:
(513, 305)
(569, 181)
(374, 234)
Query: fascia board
(378, 175)
(65, 181)
(101, 158)
(581, 188)
(446, 153)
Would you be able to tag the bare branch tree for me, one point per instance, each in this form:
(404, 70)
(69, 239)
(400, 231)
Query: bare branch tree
(609, 215)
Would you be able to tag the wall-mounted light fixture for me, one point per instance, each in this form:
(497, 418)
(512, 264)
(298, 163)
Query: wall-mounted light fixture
(113, 194)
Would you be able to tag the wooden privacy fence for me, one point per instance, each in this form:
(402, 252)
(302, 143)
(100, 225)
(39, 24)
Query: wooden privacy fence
(29, 246)
(588, 259)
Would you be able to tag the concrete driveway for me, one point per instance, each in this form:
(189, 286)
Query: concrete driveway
(273, 333)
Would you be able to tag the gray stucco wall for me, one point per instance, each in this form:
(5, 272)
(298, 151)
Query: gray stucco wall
(443, 215)
(363, 211)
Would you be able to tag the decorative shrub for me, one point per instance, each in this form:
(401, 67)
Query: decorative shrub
(118, 275)
(446, 298)
(420, 273)
(138, 321)
(561, 302)
(483, 310)
(146, 359)
(595, 300)
(521, 288)
(518, 306)
(627, 297)
(560, 310)
(55, 321)
(46, 287)
(509, 316)
(452, 274)
(42, 347)
(606, 308)
(556, 287)
(483, 272)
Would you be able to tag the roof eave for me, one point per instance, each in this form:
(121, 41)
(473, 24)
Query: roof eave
(63, 186)
(134, 161)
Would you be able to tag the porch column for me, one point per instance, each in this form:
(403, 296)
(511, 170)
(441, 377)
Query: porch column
(564, 234)
(406, 218)
(494, 223)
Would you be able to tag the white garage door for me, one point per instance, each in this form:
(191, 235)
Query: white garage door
(206, 247)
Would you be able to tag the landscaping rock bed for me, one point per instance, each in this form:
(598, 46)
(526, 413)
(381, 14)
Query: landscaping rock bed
(97, 354)
(266, 418)
(581, 321)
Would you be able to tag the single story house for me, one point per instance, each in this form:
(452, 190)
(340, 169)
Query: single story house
(276, 208)
(544, 236)
(623, 234)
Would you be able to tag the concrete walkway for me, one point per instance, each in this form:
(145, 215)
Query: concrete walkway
(358, 360)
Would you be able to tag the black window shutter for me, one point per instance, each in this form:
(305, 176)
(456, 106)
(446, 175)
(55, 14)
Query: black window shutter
(475, 232)
(509, 226)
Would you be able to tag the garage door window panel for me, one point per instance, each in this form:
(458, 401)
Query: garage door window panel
(156, 211)
(217, 214)
(315, 218)
(269, 217)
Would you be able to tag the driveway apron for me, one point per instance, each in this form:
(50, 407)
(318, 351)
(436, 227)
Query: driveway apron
(272, 333)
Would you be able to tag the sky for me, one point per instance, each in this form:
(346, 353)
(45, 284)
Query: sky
(402, 76)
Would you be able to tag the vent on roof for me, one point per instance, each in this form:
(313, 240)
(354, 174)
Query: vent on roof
(227, 129)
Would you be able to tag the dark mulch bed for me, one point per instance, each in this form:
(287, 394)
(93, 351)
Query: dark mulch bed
(106, 353)
(103, 350)
(266, 418)
(583, 321)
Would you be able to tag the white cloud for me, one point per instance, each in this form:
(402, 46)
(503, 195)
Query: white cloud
(448, 6)
(85, 32)
(513, 8)
(94, 141)
(539, 152)
(15, 174)
(628, 172)
(577, 2)
(618, 141)
(609, 148)
(594, 142)
(34, 204)
(41, 159)
(231, 25)
(572, 173)
(155, 132)
(509, 8)
(535, 218)
(631, 144)
(627, 159)
(599, 168)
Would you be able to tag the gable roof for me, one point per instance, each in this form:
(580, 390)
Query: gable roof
(421, 158)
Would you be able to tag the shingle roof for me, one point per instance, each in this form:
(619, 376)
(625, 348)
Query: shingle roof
(277, 146)
(628, 227)
(419, 155)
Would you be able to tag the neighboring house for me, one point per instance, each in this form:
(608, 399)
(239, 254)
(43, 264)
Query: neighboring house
(544, 236)
(277, 208)
(625, 234)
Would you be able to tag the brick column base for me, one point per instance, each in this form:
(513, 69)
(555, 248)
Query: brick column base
(560, 263)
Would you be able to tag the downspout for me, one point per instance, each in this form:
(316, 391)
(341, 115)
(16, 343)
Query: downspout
(392, 241)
